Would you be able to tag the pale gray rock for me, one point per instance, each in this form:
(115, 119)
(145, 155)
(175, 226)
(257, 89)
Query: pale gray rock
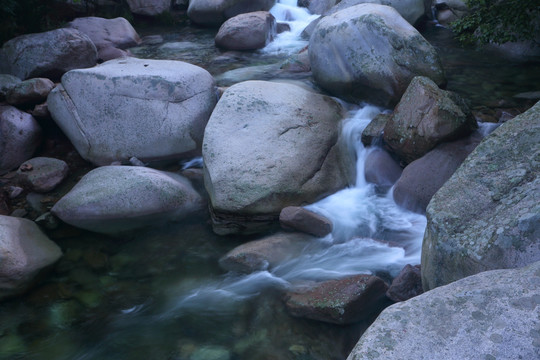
(150, 109)
(215, 12)
(342, 301)
(422, 178)
(369, 52)
(149, 7)
(107, 33)
(249, 31)
(49, 54)
(425, 117)
(7, 82)
(24, 252)
(491, 315)
(410, 10)
(20, 135)
(116, 199)
(265, 253)
(30, 92)
(317, 6)
(300, 219)
(42, 174)
(270, 145)
(487, 216)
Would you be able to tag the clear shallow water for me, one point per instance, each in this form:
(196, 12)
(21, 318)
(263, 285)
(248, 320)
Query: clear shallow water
(161, 295)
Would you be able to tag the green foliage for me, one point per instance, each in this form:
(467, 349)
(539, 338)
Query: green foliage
(499, 21)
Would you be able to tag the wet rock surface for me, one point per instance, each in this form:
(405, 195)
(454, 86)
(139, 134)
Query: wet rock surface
(406, 285)
(300, 219)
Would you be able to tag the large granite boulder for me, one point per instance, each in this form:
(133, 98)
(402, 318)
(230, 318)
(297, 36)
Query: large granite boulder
(249, 31)
(422, 178)
(487, 216)
(341, 301)
(149, 7)
(265, 253)
(108, 35)
(269, 145)
(491, 315)
(215, 12)
(410, 10)
(24, 252)
(49, 54)
(20, 135)
(426, 116)
(116, 199)
(148, 109)
(369, 52)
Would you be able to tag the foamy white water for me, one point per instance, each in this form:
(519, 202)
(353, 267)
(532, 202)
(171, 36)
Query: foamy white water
(289, 42)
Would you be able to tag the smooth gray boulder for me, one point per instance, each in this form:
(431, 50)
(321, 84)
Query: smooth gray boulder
(265, 253)
(106, 33)
(270, 145)
(341, 301)
(426, 116)
(20, 135)
(249, 31)
(30, 92)
(116, 199)
(148, 109)
(491, 315)
(24, 252)
(149, 7)
(7, 82)
(487, 216)
(215, 12)
(42, 174)
(368, 52)
(422, 178)
(49, 54)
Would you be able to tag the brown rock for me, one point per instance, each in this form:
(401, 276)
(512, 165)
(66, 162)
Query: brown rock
(247, 31)
(30, 92)
(406, 285)
(342, 301)
(42, 174)
(298, 218)
(374, 130)
(381, 169)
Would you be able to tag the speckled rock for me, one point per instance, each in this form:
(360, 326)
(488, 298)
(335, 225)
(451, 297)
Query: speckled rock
(410, 10)
(215, 12)
(487, 216)
(150, 109)
(342, 301)
(369, 52)
(249, 31)
(24, 252)
(20, 135)
(284, 152)
(426, 116)
(42, 174)
(40, 55)
(265, 253)
(106, 33)
(116, 199)
(30, 92)
(491, 315)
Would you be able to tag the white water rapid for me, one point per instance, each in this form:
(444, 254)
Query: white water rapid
(289, 42)
(371, 234)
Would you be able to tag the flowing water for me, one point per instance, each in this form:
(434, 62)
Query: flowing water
(161, 294)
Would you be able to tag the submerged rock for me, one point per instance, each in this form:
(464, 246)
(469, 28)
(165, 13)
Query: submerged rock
(20, 135)
(426, 116)
(487, 216)
(342, 301)
(491, 315)
(369, 52)
(249, 31)
(116, 199)
(215, 12)
(267, 146)
(24, 252)
(150, 109)
(265, 253)
(39, 55)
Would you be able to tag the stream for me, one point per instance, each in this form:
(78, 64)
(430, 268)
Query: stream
(161, 294)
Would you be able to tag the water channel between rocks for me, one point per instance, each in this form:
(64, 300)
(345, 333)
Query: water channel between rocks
(161, 294)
